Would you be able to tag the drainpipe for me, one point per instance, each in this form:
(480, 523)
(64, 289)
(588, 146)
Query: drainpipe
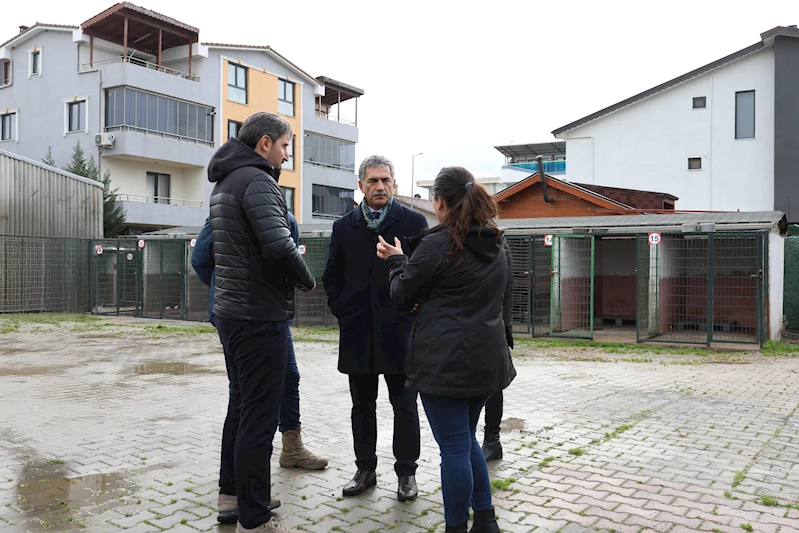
(543, 176)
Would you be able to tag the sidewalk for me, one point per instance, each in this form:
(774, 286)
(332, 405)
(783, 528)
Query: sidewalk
(117, 428)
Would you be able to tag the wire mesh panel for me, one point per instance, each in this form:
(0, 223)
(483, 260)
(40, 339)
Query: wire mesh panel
(572, 298)
(44, 274)
(737, 287)
(542, 286)
(197, 294)
(113, 290)
(521, 253)
(128, 267)
(310, 308)
(791, 287)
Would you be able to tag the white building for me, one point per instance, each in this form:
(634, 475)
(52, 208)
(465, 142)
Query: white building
(724, 137)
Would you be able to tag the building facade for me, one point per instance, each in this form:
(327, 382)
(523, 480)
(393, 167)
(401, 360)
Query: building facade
(151, 104)
(723, 137)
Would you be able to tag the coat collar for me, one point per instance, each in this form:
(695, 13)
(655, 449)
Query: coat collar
(395, 214)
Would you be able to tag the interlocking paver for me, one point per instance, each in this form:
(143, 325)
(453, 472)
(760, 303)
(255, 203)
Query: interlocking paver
(124, 444)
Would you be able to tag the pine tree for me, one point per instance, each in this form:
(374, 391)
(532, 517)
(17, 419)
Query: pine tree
(113, 215)
(48, 159)
(78, 163)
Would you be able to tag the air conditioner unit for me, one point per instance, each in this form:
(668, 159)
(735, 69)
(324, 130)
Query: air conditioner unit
(104, 140)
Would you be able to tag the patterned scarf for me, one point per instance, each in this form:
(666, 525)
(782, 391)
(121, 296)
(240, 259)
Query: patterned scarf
(374, 223)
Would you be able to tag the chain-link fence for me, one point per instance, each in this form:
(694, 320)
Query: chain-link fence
(44, 274)
(791, 287)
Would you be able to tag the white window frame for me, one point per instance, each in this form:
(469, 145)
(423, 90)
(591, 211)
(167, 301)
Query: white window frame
(10, 73)
(40, 50)
(74, 100)
(15, 136)
(293, 97)
(291, 163)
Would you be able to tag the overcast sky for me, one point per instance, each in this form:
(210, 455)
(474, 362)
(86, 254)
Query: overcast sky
(454, 81)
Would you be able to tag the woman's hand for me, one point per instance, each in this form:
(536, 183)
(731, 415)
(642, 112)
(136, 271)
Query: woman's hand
(385, 250)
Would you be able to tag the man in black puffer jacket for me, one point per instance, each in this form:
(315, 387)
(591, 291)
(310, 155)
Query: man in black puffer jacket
(257, 268)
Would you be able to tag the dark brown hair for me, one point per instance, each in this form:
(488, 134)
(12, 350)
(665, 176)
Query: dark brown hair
(467, 201)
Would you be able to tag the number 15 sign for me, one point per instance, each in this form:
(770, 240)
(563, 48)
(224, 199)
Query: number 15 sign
(655, 238)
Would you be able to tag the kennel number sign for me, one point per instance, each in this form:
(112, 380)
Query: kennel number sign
(655, 238)
(548, 240)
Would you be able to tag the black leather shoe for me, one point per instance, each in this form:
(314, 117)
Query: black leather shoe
(407, 489)
(364, 479)
(231, 517)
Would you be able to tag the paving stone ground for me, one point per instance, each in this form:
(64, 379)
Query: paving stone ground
(116, 428)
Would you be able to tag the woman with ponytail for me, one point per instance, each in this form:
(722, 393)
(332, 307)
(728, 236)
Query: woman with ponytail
(461, 272)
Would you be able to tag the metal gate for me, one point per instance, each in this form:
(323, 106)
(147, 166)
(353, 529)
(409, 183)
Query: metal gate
(115, 276)
(700, 288)
(572, 294)
(532, 263)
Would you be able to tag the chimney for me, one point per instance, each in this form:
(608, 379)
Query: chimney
(22, 28)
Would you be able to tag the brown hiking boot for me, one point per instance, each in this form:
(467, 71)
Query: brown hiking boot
(295, 454)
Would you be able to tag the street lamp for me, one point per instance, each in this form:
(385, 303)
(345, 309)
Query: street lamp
(413, 174)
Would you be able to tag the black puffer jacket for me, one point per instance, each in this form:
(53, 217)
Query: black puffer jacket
(459, 344)
(257, 264)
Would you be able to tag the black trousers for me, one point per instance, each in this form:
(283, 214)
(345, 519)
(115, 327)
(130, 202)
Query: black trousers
(493, 416)
(255, 355)
(363, 389)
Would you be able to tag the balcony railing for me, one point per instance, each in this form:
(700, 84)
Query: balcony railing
(159, 134)
(550, 167)
(157, 200)
(334, 167)
(141, 63)
(335, 118)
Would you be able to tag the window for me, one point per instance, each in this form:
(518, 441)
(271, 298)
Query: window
(329, 152)
(136, 110)
(332, 201)
(700, 102)
(694, 163)
(289, 165)
(745, 115)
(8, 127)
(236, 83)
(288, 193)
(76, 116)
(285, 98)
(35, 62)
(5, 72)
(158, 188)
(233, 128)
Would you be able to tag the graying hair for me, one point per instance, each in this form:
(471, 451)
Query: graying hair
(262, 123)
(374, 161)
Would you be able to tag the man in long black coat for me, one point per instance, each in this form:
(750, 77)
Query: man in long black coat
(373, 332)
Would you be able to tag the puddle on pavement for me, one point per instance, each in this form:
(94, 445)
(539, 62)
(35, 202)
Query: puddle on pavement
(176, 369)
(30, 371)
(511, 424)
(50, 494)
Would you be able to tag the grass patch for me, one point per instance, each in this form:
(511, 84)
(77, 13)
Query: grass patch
(747, 527)
(768, 501)
(501, 484)
(576, 451)
(545, 461)
(614, 347)
(738, 479)
(780, 349)
(200, 330)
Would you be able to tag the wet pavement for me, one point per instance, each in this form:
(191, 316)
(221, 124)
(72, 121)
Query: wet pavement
(116, 428)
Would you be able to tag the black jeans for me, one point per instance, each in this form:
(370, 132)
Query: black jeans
(493, 413)
(363, 389)
(255, 355)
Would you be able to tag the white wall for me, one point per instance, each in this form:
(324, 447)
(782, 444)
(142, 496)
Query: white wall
(130, 177)
(647, 145)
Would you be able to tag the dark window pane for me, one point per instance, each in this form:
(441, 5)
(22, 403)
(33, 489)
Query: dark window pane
(163, 106)
(183, 119)
(192, 121)
(152, 112)
(130, 107)
(172, 117)
(745, 115)
(141, 110)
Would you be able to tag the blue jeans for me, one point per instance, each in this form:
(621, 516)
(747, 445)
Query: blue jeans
(290, 406)
(464, 473)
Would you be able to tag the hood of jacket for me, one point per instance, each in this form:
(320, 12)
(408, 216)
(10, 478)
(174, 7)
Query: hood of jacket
(483, 242)
(234, 155)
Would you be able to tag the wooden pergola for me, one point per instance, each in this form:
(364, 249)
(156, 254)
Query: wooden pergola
(129, 25)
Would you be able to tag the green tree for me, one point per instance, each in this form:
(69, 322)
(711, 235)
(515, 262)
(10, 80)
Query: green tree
(113, 215)
(48, 159)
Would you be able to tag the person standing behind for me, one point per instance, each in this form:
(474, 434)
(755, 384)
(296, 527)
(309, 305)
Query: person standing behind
(461, 271)
(293, 453)
(257, 267)
(373, 332)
